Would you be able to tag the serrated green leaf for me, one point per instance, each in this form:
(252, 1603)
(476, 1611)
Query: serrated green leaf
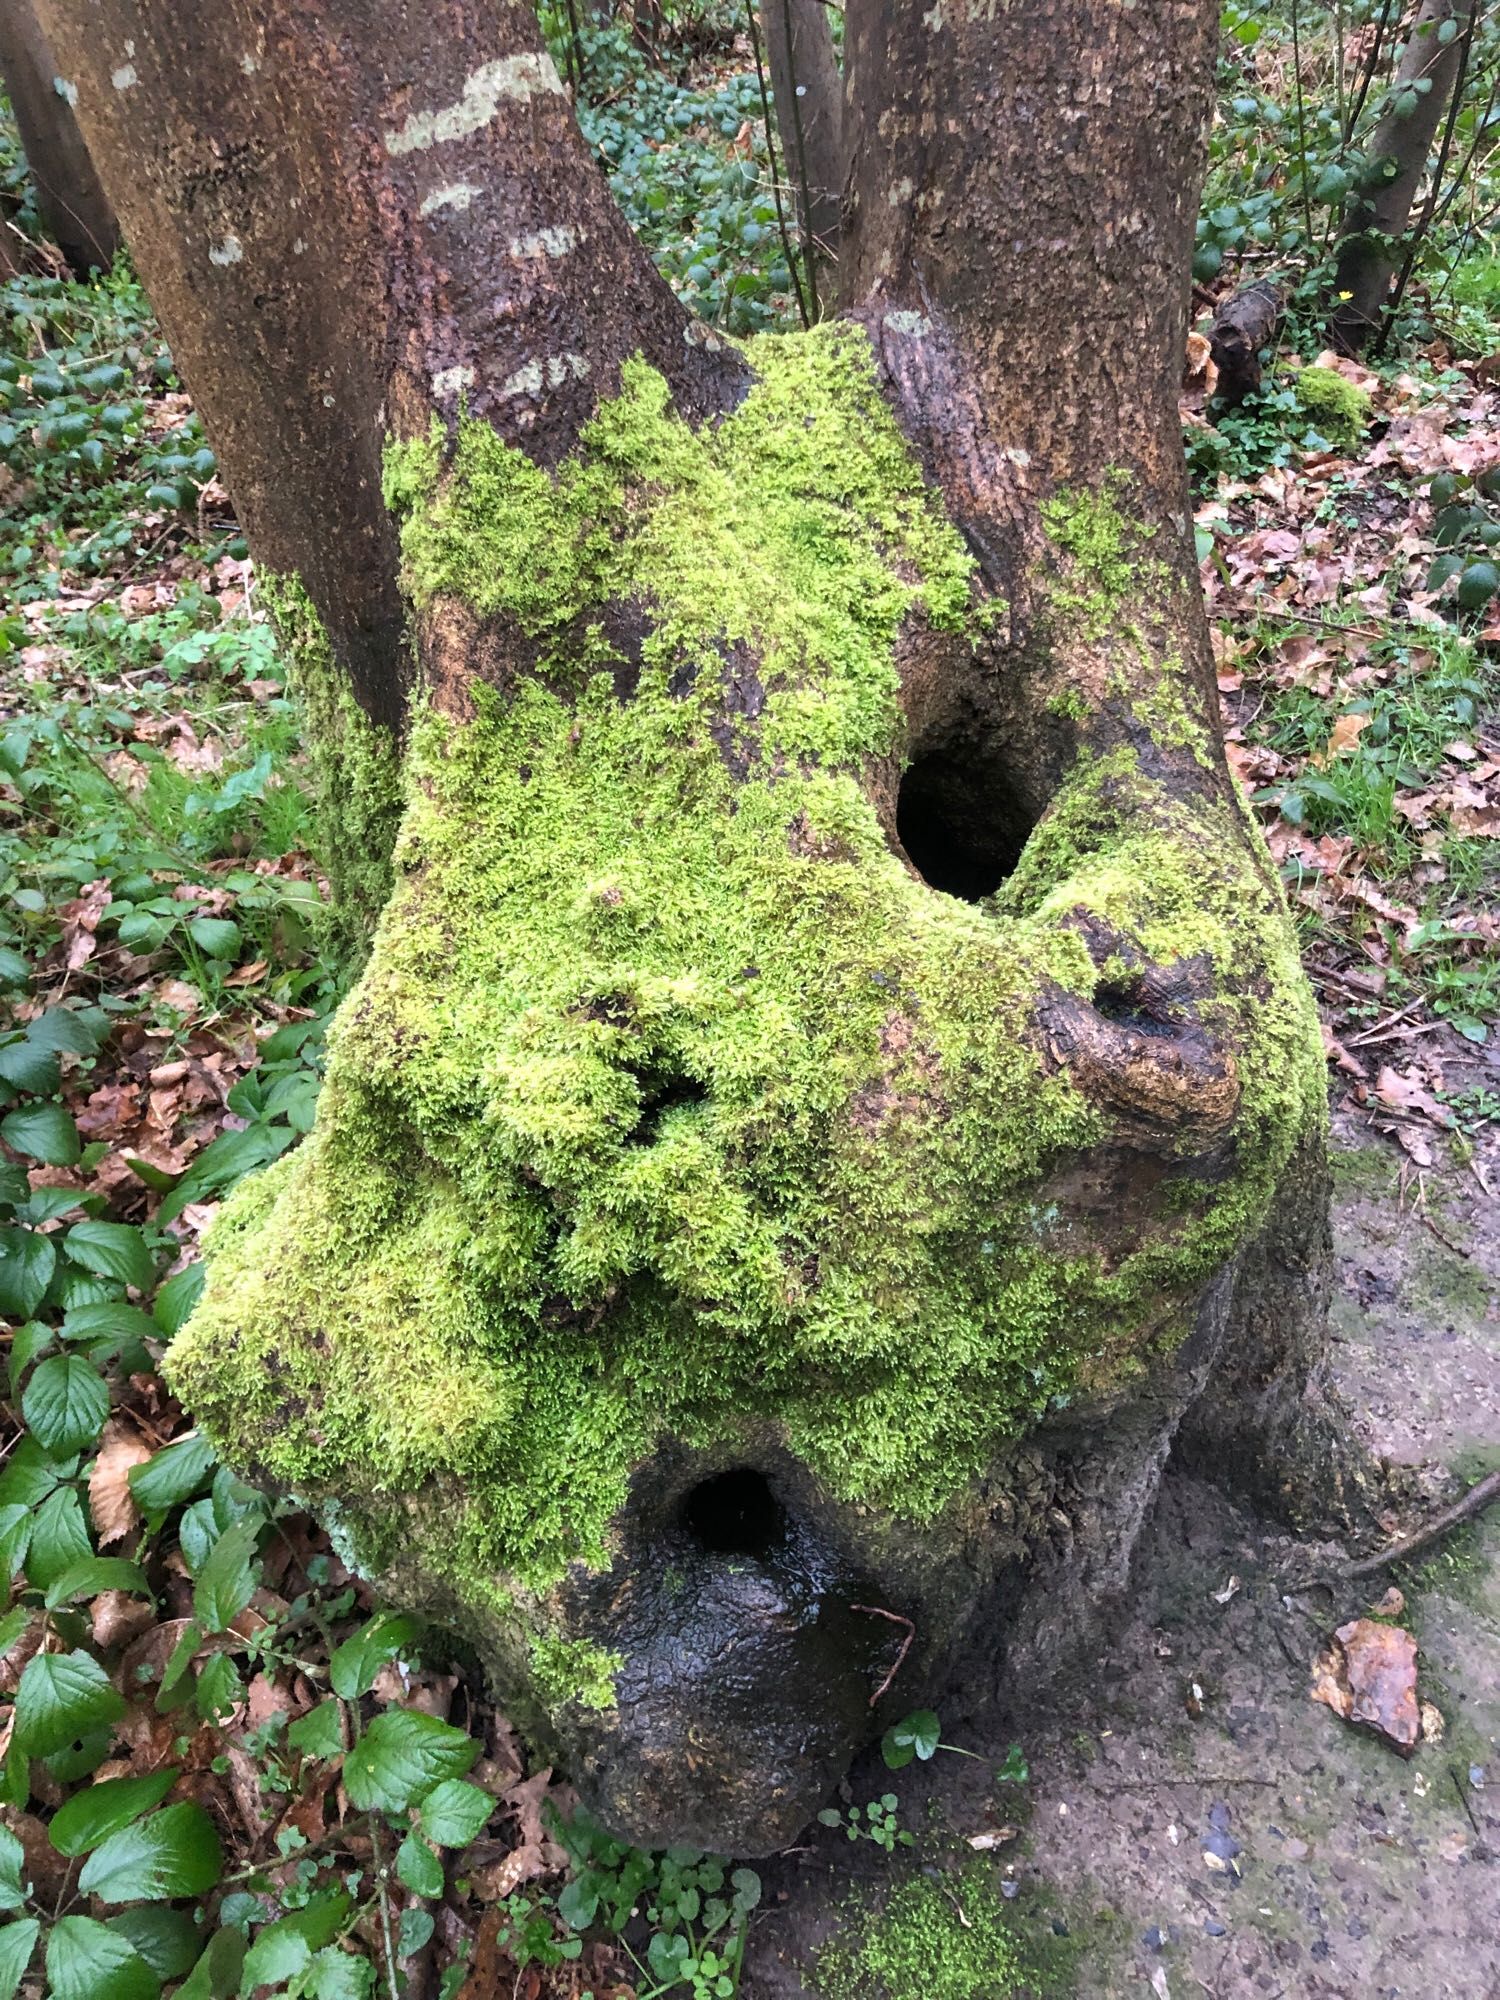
(340, 1975)
(354, 1665)
(30, 1475)
(172, 1475)
(317, 1734)
(220, 1689)
(96, 1573)
(173, 1853)
(17, 1943)
(27, 1261)
(113, 1250)
(26, 1067)
(167, 1939)
(92, 1815)
(27, 1343)
(43, 1132)
(176, 1299)
(15, 1539)
(227, 1581)
(89, 1961)
(62, 1697)
(216, 935)
(401, 1757)
(454, 1812)
(61, 1029)
(276, 1957)
(65, 1404)
(59, 1538)
(418, 1867)
(216, 1976)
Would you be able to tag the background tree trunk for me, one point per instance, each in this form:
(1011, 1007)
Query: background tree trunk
(72, 201)
(714, 1227)
(809, 97)
(1399, 147)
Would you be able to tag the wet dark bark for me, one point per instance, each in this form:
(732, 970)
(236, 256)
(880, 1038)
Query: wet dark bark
(809, 95)
(72, 202)
(1398, 149)
(1246, 324)
(392, 208)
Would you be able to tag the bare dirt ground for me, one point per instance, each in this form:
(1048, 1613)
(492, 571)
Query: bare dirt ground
(1195, 1824)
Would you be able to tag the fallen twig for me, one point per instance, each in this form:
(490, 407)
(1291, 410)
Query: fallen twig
(878, 1611)
(1483, 1493)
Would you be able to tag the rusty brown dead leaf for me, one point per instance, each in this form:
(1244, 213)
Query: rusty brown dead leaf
(111, 1505)
(1368, 1676)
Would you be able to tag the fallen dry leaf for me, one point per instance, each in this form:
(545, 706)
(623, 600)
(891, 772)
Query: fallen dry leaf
(113, 1509)
(1368, 1676)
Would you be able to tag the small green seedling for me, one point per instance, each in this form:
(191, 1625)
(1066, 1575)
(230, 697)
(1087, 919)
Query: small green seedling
(917, 1736)
(877, 1822)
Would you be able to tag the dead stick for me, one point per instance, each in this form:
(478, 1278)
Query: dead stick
(878, 1611)
(1483, 1493)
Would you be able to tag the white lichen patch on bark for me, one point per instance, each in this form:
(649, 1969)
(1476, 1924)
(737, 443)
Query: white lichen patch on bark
(517, 77)
(457, 195)
(124, 78)
(553, 242)
(448, 381)
(913, 324)
(532, 376)
(230, 251)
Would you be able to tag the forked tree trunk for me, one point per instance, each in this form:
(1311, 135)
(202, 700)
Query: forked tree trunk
(833, 1096)
(809, 95)
(1398, 153)
(72, 202)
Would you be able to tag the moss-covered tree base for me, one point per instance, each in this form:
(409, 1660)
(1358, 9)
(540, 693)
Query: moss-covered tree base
(720, 1252)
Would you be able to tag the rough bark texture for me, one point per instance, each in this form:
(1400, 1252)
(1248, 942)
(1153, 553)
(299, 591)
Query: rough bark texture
(1398, 150)
(393, 208)
(809, 95)
(1246, 324)
(803, 1137)
(72, 201)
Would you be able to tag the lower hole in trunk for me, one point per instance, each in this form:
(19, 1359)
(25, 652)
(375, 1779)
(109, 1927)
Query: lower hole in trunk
(735, 1514)
(959, 821)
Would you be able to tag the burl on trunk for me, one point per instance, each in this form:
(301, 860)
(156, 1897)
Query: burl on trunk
(831, 1096)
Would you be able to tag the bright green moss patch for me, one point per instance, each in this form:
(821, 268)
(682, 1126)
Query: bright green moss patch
(564, 1670)
(1338, 407)
(932, 1940)
(669, 1101)
(356, 771)
(1100, 554)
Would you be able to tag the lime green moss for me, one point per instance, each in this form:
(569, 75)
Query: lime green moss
(564, 1670)
(669, 1101)
(1338, 407)
(1102, 567)
(932, 1940)
(356, 773)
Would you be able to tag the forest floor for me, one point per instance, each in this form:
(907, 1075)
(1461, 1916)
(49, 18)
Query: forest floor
(1193, 1821)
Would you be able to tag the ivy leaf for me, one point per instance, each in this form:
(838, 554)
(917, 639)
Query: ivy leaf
(175, 1852)
(92, 1815)
(43, 1132)
(401, 1757)
(27, 1261)
(354, 1665)
(114, 1250)
(89, 1961)
(63, 1696)
(65, 1405)
(17, 1943)
(227, 1580)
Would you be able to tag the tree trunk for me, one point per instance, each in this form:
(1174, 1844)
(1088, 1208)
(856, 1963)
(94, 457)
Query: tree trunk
(1245, 325)
(72, 202)
(1398, 152)
(833, 1087)
(809, 98)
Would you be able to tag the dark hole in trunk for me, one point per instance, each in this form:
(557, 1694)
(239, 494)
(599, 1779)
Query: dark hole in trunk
(1127, 1005)
(735, 1514)
(959, 821)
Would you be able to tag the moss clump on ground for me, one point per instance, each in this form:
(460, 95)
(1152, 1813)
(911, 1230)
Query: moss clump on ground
(356, 773)
(1338, 407)
(935, 1938)
(669, 1101)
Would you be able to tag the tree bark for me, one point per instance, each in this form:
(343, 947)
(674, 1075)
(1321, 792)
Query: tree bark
(1245, 325)
(807, 1133)
(72, 202)
(1398, 152)
(809, 98)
